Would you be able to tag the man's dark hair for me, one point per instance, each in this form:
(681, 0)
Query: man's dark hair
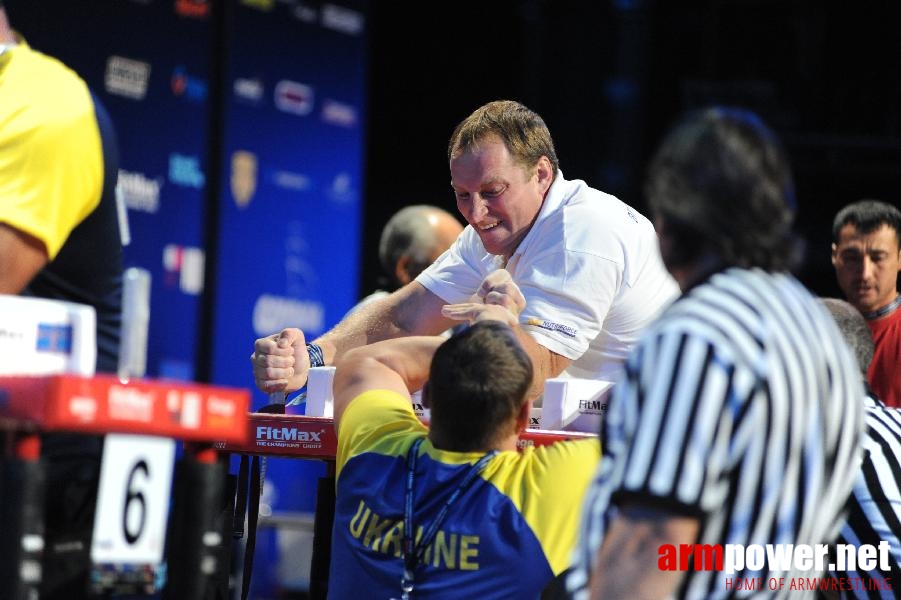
(722, 183)
(477, 384)
(854, 329)
(867, 216)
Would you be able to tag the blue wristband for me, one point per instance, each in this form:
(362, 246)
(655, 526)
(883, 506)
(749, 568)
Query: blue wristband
(316, 358)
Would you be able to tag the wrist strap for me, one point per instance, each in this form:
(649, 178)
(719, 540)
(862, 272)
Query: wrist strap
(316, 357)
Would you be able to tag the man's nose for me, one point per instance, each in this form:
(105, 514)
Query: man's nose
(867, 268)
(477, 209)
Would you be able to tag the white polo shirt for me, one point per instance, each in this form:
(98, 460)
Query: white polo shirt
(590, 270)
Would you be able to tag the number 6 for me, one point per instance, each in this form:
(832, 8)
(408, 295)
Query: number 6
(136, 496)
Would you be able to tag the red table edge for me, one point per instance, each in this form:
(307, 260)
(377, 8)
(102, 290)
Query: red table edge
(301, 436)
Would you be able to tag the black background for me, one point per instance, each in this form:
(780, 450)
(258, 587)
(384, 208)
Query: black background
(609, 76)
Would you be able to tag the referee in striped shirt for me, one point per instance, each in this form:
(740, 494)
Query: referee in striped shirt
(875, 508)
(739, 419)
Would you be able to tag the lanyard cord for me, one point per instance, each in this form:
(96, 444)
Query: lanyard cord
(413, 552)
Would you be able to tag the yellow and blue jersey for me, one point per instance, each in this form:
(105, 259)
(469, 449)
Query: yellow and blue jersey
(507, 535)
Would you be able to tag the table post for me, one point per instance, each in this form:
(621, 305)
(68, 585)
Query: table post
(323, 520)
(22, 518)
(195, 540)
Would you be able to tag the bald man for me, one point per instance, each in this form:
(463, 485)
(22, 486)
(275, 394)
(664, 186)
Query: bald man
(411, 240)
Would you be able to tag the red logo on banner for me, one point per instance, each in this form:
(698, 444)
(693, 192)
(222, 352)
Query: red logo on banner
(196, 9)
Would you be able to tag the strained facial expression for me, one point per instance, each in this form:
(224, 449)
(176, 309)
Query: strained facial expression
(497, 196)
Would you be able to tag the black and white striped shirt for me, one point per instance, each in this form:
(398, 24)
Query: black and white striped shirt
(875, 507)
(741, 406)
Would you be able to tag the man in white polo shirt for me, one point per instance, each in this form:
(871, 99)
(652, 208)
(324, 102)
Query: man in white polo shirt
(588, 265)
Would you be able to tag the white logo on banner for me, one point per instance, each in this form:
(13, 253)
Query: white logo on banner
(127, 77)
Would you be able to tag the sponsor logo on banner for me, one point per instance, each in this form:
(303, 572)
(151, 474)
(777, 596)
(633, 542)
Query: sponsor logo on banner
(184, 267)
(263, 5)
(293, 97)
(196, 9)
(130, 404)
(183, 409)
(300, 275)
(342, 19)
(290, 180)
(188, 86)
(339, 113)
(184, 170)
(341, 189)
(83, 408)
(223, 407)
(274, 313)
(126, 77)
(305, 13)
(140, 192)
(243, 177)
(249, 89)
(220, 412)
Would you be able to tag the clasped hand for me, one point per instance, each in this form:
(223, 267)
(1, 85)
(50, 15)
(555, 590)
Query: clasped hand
(497, 299)
(281, 362)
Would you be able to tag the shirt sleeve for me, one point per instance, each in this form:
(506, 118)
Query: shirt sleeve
(457, 273)
(562, 474)
(568, 295)
(376, 420)
(51, 152)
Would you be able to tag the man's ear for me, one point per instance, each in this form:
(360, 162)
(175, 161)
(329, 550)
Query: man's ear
(401, 270)
(834, 249)
(545, 173)
(522, 418)
(426, 397)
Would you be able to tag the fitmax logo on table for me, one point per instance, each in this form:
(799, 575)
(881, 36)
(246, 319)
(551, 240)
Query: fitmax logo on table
(288, 437)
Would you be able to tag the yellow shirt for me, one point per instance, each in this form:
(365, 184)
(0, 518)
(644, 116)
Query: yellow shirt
(51, 160)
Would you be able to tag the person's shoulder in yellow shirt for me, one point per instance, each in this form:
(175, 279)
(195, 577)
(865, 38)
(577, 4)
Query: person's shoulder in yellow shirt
(50, 149)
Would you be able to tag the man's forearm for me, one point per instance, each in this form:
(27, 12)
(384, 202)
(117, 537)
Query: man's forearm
(401, 365)
(411, 310)
(626, 565)
(409, 357)
(21, 257)
(364, 326)
(545, 363)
